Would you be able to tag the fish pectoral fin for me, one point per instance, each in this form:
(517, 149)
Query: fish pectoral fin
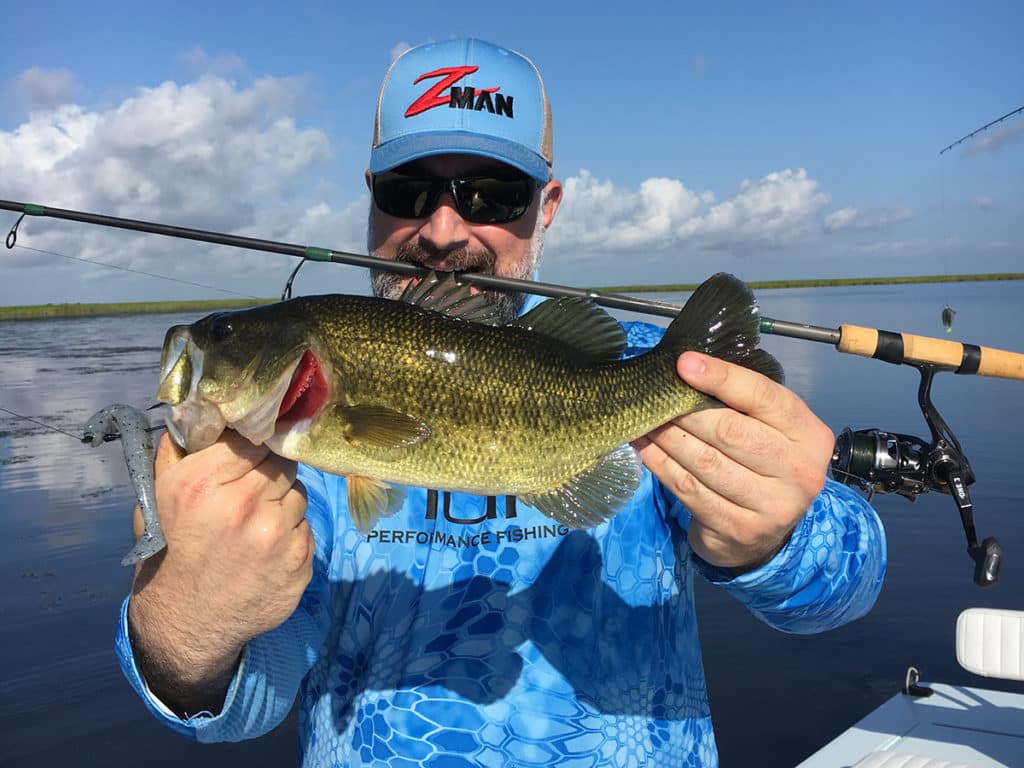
(381, 431)
(370, 499)
(595, 495)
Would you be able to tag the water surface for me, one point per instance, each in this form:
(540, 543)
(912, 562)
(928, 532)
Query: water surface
(65, 524)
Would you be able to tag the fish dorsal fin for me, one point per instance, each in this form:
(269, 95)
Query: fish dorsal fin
(443, 293)
(579, 324)
(721, 318)
(596, 494)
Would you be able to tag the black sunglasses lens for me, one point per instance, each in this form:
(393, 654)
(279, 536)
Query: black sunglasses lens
(479, 200)
(407, 197)
(491, 200)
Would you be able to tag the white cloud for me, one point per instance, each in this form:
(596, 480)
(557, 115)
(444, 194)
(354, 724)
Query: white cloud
(981, 202)
(46, 88)
(855, 218)
(662, 213)
(208, 154)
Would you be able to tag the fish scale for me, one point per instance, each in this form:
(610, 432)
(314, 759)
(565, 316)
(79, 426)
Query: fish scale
(509, 414)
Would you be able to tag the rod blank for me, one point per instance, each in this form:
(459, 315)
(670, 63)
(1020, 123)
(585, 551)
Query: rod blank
(851, 339)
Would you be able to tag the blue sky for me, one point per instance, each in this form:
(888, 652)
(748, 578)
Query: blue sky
(782, 140)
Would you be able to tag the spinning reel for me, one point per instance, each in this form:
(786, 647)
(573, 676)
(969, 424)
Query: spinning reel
(874, 461)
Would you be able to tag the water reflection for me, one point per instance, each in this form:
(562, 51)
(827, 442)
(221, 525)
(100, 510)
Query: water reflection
(65, 507)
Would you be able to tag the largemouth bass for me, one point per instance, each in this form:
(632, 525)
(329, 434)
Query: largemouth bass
(428, 391)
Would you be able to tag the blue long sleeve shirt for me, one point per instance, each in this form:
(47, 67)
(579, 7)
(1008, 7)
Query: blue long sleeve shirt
(477, 637)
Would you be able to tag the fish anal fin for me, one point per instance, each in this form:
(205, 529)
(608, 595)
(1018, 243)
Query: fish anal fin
(578, 323)
(370, 499)
(595, 495)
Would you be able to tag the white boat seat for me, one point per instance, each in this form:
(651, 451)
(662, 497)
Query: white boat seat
(990, 642)
(904, 760)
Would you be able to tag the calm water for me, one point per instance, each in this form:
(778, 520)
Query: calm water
(65, 523)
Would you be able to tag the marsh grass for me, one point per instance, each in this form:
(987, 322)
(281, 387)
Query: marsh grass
(47, 311)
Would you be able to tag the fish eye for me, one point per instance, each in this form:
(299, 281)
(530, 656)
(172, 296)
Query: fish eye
(221, 329)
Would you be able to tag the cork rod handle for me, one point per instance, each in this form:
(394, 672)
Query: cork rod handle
(908, 348)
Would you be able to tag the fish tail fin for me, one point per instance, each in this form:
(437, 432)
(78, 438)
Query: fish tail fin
(721, 319)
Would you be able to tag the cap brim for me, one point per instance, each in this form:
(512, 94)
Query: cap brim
(405, 149)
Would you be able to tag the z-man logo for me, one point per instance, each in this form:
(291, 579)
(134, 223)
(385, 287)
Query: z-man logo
(458, 97)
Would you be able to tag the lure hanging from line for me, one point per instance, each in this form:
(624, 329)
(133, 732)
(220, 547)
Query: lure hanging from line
(948, 313)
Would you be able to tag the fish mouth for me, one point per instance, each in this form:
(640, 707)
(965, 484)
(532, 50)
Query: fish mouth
(306, 393)
(196, 421)
(298, 396)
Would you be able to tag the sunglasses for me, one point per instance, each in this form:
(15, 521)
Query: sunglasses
(492, 199)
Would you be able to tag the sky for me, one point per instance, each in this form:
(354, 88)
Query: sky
(782, 140)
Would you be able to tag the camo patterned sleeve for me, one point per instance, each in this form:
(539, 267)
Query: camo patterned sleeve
(273, 664)
(829, 573)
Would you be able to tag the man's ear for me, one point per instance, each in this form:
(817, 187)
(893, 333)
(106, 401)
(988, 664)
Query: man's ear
(369, 179)
(552, 199)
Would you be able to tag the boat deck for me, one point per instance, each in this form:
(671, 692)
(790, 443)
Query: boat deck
(954, 726)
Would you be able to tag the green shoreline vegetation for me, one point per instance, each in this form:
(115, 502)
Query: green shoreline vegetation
(60, 311)
(823, 282)
(57, 311)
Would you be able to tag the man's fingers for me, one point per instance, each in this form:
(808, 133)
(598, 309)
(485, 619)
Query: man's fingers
(271, 479)
(228, 459)
(167, 453)
(700, 474)
(138, 525)
(746, 391)
(745, 440)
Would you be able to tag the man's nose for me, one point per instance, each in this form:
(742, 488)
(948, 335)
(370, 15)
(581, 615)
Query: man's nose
(445, 229)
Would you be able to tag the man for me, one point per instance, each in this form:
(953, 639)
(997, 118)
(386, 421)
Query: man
(472, 633)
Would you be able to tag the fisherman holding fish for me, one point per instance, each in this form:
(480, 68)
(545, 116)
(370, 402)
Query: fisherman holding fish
(554, 625)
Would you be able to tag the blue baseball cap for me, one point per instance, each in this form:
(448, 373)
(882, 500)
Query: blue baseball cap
(463, 97)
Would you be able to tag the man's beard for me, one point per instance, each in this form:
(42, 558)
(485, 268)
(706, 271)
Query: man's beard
(509, 304)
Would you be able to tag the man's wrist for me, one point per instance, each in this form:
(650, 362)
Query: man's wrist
(739, 570)
(186, 682)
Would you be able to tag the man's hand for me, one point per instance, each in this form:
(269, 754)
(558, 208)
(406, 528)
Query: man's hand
(239, 555)
(747, 472)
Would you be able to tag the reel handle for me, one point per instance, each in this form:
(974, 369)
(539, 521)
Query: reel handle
(987, 557)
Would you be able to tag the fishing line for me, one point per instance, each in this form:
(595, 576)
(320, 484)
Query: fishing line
(77, 438)
(130, 269)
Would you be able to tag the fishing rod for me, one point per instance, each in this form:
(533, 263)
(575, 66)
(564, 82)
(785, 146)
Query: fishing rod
(976, 131)
(868, 342)
(871, 460)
